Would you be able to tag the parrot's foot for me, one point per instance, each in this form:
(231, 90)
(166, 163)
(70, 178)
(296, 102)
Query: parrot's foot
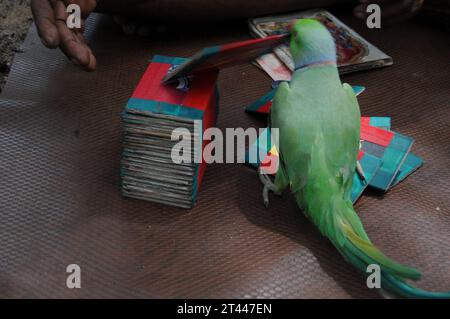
(268, 186)
(360, 171)
(265, 195)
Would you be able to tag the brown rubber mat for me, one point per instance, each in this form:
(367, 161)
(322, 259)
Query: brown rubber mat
(60, 199)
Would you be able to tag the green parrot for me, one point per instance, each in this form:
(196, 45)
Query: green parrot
(318, 119)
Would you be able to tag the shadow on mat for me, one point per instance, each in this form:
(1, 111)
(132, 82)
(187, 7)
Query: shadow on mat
(285, 218)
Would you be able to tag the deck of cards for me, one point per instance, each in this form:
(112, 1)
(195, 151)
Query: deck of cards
(153, 115)
(148, 171)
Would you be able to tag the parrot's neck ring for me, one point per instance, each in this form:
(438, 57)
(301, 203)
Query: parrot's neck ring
(319, 63)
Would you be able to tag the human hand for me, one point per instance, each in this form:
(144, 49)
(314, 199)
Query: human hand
(391, 10)
(50, 17)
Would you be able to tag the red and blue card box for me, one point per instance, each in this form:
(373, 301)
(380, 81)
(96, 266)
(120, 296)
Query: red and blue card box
(199, 102)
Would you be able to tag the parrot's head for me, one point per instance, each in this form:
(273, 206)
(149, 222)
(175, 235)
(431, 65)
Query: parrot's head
(311, 43)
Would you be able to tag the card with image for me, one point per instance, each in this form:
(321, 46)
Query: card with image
(354, 53)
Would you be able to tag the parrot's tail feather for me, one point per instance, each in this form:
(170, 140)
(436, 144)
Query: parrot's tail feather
(361, 253)
(403, 289)
(372, 255)
(391, 283)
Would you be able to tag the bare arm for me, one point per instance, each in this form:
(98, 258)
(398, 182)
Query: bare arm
(50, 15)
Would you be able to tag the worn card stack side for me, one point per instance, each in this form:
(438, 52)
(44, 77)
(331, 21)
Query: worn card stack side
(154, 114)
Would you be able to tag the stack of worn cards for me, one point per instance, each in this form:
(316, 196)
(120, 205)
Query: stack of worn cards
(147, 169)
(152, 167)
(354, 53)
(384, 155)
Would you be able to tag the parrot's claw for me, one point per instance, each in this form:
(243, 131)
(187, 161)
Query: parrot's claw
(268, 186)
(265, 195)
(266, 181)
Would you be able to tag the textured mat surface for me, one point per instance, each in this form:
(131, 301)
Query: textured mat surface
(60, 201)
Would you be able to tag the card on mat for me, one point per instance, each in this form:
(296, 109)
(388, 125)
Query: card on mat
(380, 122)
(353, 52)
(410, 165)
(391, 147)
(412, 162)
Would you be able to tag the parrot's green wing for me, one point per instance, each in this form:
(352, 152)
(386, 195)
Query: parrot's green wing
(310, 120)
